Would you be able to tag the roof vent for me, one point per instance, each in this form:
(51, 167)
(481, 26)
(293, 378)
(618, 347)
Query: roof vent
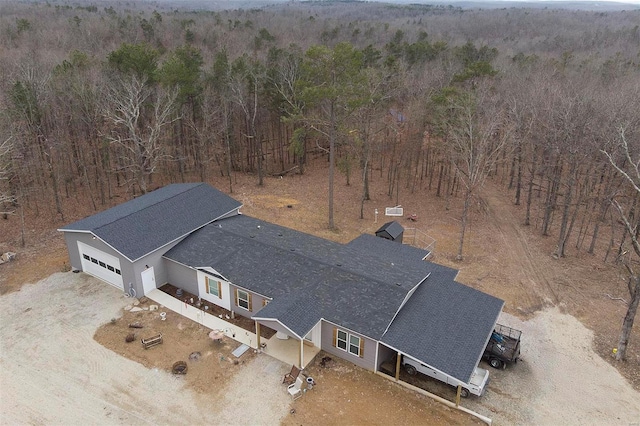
(252, 236)
(339, 264)
(279, 234)
(292, 249)
(398, 284)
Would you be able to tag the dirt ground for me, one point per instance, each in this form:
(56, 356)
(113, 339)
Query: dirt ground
(54, 372)
(577, 295)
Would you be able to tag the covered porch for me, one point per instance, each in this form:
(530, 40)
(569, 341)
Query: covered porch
(290, 351)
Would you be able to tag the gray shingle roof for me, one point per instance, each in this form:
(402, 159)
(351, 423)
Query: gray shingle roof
(360, 294)
(445, 325)
(298, 312)
(146, 223)
(393, 228)
(390, 250)
(373, 265)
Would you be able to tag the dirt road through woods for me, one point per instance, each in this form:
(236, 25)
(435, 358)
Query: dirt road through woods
(533, 285)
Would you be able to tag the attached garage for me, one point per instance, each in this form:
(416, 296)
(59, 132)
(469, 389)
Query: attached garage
(101, 265)
(124, 245)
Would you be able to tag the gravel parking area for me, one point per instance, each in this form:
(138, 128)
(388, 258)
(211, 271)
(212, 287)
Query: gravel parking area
(53, 372)
(560, 379)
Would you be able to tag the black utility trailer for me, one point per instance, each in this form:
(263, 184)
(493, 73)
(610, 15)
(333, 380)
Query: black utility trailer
(503, 347)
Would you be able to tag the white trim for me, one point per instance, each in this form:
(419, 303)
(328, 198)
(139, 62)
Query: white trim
(428, 365)
(375, 359)
(200, 269)
(348, 344)
(212, 272)
(96, 269)
(150, 275)
(248, 300)
(350, 331)
(277, 321)
(183, 236)
(158, 248)
(406, 299)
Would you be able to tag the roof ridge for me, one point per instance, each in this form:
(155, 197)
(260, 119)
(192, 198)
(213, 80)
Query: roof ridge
(314, 259)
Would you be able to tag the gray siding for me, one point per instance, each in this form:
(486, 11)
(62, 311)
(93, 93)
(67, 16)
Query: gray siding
(368, 359)
(257, 302)
(159, 264)
(131, 273)
(72, 239)
(72, 248)
(181, 276)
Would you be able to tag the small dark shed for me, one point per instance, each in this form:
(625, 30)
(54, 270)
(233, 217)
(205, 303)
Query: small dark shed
(391, 231)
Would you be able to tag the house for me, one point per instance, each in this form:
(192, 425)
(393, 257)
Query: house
(365, 301)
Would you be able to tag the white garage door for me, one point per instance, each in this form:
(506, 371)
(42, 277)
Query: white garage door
(101, 265)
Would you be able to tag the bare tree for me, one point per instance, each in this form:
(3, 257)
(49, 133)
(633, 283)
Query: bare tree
(139, 136)
(6, 197)
(629, 167)
(477, 131)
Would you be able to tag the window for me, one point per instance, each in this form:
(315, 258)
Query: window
(348, 342)
(213, 287)
(111, 268)
(342, 340)
(104, 265)
(118, 271)
(354, 345)
(86, 257)
(243, 299)
(93, 260)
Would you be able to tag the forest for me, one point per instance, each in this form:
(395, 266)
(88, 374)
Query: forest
(122, 98)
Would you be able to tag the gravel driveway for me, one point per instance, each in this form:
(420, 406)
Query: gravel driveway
(53, 372)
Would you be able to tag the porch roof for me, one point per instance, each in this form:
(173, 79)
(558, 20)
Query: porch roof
(445, 325)
(299, 313)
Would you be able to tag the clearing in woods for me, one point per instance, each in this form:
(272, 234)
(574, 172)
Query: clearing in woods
(501, 257)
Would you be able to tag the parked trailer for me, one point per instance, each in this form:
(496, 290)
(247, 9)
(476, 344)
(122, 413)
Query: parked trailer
(476, 386)
(503, 347)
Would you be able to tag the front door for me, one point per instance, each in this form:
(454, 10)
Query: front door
(148, 280)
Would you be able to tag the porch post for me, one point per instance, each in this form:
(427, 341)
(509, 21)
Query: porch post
(458, 395)
(301, 354)
(258, 333)
(398, 358)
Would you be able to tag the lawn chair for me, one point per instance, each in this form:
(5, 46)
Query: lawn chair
(295, 389)
(291, 376)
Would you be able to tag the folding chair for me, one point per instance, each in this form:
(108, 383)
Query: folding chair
(291, 376)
